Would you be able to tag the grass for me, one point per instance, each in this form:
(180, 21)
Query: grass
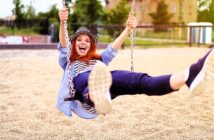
(143, 42)
(16, 31)
(174, 33)
(148, 39)
(158, 39)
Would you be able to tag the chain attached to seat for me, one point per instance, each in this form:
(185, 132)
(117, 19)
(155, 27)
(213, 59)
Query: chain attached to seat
(132, 38)
(70, 78)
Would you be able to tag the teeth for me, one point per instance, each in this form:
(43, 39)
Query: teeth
(82, 47)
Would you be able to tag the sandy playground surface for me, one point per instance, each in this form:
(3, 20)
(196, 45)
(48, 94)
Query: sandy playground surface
(30, 79)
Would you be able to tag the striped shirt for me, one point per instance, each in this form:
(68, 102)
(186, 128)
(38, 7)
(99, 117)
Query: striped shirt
(80, 67)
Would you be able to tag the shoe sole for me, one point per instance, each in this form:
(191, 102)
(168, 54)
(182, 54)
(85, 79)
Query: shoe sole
(99, 84)
(205, 79)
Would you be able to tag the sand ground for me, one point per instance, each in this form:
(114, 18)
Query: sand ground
(30, 79)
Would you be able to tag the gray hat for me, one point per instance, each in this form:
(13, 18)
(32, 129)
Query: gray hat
(83, 30)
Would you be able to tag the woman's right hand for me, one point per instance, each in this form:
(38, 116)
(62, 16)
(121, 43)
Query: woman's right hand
(63, 14)
(63, 17)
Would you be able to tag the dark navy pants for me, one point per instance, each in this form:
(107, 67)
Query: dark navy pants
(127, 83)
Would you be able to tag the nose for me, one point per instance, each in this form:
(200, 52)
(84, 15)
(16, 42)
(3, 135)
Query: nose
(82, 43)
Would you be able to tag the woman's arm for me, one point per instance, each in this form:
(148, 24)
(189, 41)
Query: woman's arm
(63, 16)
(131, 23)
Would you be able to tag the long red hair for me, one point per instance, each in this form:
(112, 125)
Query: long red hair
(90, 55)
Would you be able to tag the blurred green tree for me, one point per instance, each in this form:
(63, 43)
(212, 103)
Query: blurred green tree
(206, 11)
(18, 10)
(161, 16)
(203, 4)
(52, 13)
(30, 13)
(117, 16)
(85, 13)
(49, 20)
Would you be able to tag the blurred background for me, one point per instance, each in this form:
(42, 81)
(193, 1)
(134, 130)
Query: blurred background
(30, 75)
(161, 23)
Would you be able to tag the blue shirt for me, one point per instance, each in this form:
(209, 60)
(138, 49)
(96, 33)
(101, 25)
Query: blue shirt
(67, 106)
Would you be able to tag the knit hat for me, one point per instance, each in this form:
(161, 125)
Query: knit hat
(84, 30)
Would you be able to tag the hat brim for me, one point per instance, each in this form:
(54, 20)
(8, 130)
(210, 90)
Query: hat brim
(93, 36)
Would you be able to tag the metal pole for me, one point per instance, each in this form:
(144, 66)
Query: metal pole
(190, 36)
(199, 37)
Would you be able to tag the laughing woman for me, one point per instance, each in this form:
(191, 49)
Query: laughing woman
(95, 86)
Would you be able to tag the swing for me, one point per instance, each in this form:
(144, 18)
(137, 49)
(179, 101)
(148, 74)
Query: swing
(71, 84)
(132, 38)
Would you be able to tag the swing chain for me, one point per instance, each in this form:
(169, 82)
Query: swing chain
(132, 38)
(70, 79)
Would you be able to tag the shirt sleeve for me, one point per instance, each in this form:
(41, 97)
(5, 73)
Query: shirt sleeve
(108, 54)
(62, 58)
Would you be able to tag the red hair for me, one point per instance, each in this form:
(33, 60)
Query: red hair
(89, 56)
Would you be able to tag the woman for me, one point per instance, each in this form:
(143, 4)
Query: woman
(95, 86)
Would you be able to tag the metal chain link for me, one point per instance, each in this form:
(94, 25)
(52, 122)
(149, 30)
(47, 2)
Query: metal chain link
(70, 79)
(132, 38)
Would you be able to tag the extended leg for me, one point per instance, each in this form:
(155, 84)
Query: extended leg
(126, 82)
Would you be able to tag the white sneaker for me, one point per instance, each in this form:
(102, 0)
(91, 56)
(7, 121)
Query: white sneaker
(99, 84)
(204, 81)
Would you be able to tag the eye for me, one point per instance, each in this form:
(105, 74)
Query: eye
(78, 39)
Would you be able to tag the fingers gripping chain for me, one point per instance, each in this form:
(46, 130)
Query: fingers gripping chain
(70, 79)
(132, 38)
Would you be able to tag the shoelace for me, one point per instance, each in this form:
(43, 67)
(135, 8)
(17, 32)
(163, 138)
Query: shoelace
(88, 108)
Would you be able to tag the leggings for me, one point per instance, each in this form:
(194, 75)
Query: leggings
(126, 83)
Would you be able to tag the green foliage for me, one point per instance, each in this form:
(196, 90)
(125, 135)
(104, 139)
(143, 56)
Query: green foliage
(54, 27)
(53, 19)
(52, 13)
(207, 15)
(86, 12)
(10, 31)
(161, 16)
(30, 13)
(18, 10)
(68, 3)
(203, 4)
(118, 15)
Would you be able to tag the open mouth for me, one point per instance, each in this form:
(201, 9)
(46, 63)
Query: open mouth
(82, 48)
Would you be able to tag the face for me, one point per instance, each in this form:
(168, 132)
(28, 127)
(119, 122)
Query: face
(83, 44)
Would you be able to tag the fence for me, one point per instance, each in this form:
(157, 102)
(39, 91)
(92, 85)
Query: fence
(165, 34)
(40, 25)
(145, 35)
